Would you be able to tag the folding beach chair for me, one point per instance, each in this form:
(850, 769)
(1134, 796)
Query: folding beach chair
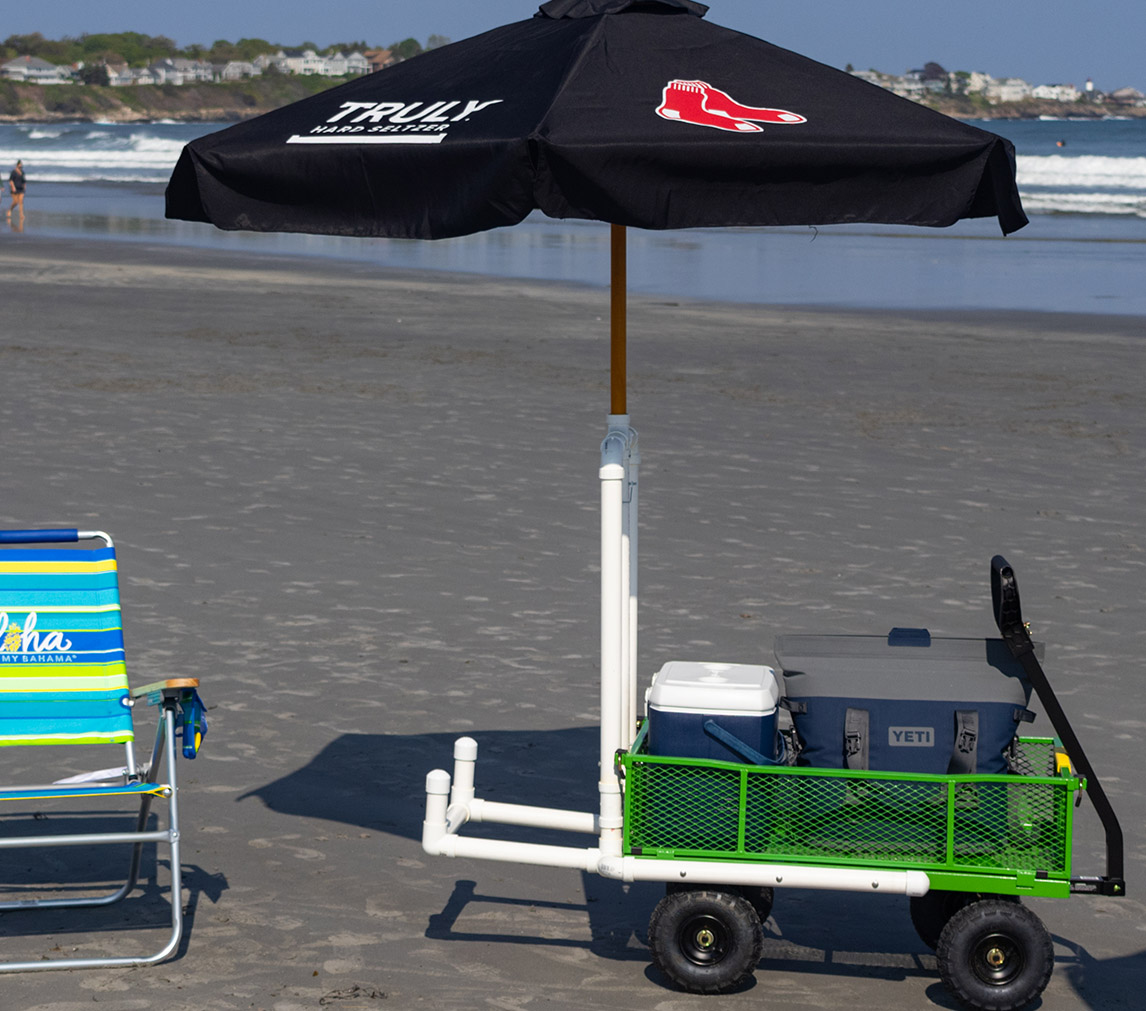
(63, 682)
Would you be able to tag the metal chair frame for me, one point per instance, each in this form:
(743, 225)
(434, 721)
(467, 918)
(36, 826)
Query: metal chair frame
(167, 695)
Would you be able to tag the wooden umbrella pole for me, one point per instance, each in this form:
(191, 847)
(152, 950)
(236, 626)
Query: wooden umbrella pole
(617, 323)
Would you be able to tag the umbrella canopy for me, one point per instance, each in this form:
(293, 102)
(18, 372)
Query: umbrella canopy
(635, 112)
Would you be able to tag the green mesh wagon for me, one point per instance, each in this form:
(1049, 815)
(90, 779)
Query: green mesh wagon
(965, 847)
(991, 834)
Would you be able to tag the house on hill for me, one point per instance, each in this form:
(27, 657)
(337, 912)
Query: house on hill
(118, 74)
(1057, 92)
(144, 75)
(196, 70)
(378, 58)
(1126, 96)
(307, 61)
(33, 70)
(239, 70)
(1007, 89)
(345, 64)
(299, 61)
(175, 71)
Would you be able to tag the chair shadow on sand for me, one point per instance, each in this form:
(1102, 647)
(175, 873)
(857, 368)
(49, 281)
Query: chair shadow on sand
(31, 872)
(377, 782)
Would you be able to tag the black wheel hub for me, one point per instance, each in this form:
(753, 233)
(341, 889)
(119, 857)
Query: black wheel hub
(997, 959)
(703, 940)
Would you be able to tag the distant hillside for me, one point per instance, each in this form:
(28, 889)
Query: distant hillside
(189, 102)
(243, 99)
(964, 107)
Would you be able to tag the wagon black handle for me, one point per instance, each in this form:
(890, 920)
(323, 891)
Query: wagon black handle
(1005, 598)
(1009, 618)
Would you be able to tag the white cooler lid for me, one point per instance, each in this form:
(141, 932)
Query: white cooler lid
(685, 686)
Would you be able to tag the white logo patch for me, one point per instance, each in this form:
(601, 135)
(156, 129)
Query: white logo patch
(392, 122)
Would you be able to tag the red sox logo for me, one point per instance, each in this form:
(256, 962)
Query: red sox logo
(701, 104)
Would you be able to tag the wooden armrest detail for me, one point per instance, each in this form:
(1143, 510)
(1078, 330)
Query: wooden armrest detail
(157, 687)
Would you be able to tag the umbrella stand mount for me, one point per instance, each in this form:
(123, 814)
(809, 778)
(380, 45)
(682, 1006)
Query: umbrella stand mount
(451, 801)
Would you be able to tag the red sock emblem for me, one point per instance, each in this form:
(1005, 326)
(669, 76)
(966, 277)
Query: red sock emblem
(684, 101)
(701, 104)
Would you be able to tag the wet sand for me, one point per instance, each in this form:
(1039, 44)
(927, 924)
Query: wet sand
(362, 507)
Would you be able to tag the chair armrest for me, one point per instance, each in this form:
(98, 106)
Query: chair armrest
(159, 690)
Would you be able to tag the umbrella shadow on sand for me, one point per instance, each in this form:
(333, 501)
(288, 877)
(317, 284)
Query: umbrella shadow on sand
(378, 781)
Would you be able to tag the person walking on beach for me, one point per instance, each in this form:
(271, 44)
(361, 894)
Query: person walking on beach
(16, 188)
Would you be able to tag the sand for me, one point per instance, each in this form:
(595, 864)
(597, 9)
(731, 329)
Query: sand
(361, 506)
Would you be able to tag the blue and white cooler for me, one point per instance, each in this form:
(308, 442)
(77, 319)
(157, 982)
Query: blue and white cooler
(722, 711)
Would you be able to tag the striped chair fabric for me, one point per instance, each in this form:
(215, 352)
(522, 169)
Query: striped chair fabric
(62, 673)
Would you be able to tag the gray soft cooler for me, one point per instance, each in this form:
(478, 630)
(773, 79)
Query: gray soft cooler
(904, 702)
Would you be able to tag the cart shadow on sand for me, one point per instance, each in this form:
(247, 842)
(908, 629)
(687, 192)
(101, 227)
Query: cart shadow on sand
(377, 782)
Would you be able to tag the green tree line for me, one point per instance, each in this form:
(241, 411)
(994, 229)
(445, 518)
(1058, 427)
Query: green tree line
(139, 50)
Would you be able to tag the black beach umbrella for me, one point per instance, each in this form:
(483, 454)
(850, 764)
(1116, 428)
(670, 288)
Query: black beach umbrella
(634, 112)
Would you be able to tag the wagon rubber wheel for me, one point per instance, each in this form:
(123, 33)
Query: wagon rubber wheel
(930, 912)
(995, 956)
(761, 896)
(705, 941)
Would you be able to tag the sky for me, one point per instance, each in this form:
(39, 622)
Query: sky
(1042, 41)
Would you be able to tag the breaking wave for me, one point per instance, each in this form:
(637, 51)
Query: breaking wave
(1087, 170)
(96, 152)
(1088, 184)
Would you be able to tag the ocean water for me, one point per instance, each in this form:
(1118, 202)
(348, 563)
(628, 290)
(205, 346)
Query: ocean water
(1083, 185)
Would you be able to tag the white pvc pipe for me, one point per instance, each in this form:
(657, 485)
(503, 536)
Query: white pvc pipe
(516, 852)
(625, 714)
(535, 817)
(619, 425)
(440, 824)
(437, 801)
(465, 759)
(914, 883)
(618, 429)
(451, 803)
(626, 604)
(612, 476)
(634, 489)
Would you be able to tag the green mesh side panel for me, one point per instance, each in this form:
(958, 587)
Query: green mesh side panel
(1016, 824)
(1032, 756)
